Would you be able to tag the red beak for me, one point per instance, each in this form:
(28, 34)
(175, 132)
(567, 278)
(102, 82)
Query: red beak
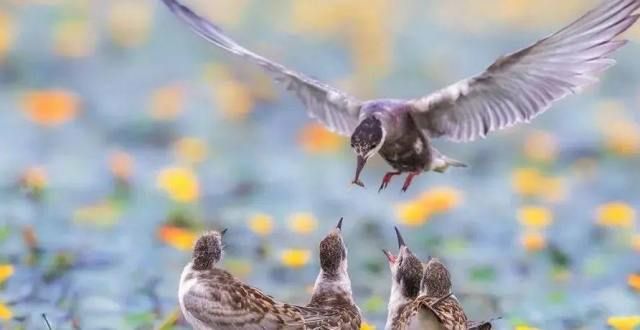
(390, 257)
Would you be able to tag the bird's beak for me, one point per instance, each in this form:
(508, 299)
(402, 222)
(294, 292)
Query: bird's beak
(339, 226)
(224, 231)
(359, 167)
(390, 256)
(400, 239)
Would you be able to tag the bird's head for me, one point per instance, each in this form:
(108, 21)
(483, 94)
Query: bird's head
(437, 280)
(406, 271)
(333, 252)
(208, 250)
(366, 140)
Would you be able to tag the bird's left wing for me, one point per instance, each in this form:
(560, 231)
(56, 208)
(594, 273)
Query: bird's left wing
(335, 109)
(448, 311)
(521, 85)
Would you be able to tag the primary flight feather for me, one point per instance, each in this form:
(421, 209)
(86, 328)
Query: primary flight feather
(514, 89)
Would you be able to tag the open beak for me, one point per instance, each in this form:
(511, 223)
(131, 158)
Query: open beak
(399, 237)
(390, 257)
(359, 167)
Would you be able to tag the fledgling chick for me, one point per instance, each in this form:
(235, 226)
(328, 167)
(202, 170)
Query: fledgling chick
(437, 307)
(515, 89)
(332, 300)
(211, 298)
(406, 275)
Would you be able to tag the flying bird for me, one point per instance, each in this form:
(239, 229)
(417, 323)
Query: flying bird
(211, 298)
(514, 89)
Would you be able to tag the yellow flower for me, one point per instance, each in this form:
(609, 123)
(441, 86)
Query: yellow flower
(621, 134)
(177, 237)
(191, 150)
(50, 107)
(526, 181)
(533, 241)
(535, 217)
(34, 178)
(5, 312)
(634, 281)
(412, 213)
(103, 213)
(367, 326)
(167, 102)
(314, 138)
(302, 223)
(121, 165)
(541, 146)
(7, 34)
(180, 183)
(635, 242)
(261, 224)
(74, 38)
(129, 22)
(440, 199)
(233, 98)
(530, 182)
(5, 272)
(295, 258)
(616, 214)
(525, 327)
(624, 322)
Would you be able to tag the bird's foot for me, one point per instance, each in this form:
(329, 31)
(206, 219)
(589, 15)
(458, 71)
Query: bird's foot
(408, 180)
(358, 183)
(386, 179)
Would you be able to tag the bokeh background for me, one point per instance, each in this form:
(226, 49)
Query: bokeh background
(123, 136)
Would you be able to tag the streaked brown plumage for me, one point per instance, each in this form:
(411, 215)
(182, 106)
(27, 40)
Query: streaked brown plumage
(436, 307)
(514, 89)
(211, 298)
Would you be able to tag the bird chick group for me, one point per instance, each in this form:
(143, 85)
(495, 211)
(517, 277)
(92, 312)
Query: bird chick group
(421, 297)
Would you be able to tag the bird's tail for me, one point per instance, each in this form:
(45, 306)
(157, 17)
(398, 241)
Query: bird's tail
(441, 162)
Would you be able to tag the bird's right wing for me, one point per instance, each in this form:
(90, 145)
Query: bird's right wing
(335, 109)
(519, 86)
(238, 306)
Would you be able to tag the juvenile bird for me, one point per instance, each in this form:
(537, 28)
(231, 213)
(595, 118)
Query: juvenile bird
(514, 89)
(421, 296)
(332, 299)
(436, 307)
(211, 298)
(406, 275)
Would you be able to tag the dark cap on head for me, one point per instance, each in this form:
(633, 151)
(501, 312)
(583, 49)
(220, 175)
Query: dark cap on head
(367, 135)
(437, 280)
(409, 274)
(208, 250)
(332, 251)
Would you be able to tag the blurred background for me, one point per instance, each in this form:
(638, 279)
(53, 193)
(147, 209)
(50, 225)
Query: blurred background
(123, 136)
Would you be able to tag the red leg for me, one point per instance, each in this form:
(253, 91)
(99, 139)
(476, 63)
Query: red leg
(387, 179)
(407, 181)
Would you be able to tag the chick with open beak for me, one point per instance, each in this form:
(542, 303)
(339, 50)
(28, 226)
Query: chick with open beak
(406, 276)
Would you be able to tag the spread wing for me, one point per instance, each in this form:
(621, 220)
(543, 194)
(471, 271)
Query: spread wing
(335, 109)
(520, 86)
(220, 304)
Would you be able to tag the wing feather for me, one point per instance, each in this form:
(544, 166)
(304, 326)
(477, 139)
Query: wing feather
(335, 109)
(520, 86)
